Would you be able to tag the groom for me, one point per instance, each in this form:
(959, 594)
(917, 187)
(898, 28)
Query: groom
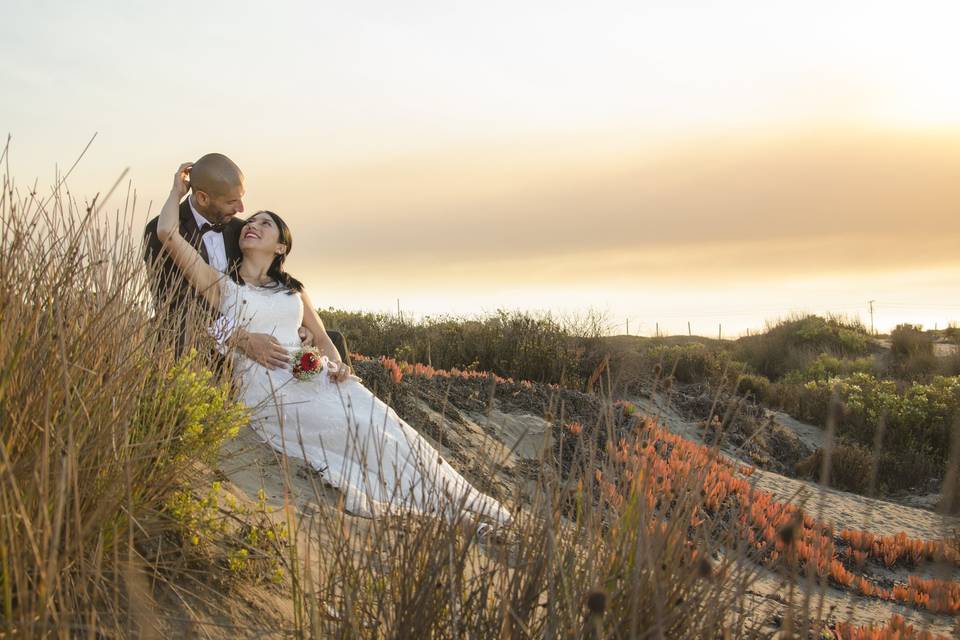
(208, 222)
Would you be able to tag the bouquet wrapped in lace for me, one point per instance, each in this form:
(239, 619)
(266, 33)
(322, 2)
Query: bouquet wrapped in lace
(306, 363)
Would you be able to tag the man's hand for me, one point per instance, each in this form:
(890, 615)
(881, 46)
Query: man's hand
(264, 349)
(306, 337)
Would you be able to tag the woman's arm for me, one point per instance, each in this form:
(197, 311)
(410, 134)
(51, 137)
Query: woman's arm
(198, 273)
(312, 321)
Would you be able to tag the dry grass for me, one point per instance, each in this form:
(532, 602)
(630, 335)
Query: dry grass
(101, 423)
(571, 565)
(93, 408)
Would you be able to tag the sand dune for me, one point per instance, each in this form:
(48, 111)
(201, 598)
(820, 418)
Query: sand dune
(505, 441)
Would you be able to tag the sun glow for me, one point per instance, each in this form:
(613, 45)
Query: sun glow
(930, 107)
(556, 155)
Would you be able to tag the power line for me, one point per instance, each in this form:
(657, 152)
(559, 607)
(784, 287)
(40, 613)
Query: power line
(749, 312)
(921, 305)
(874, 304)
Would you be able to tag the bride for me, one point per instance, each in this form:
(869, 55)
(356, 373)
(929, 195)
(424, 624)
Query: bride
(331, 421)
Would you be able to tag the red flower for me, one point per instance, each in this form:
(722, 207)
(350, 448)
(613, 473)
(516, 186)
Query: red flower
(309, 362)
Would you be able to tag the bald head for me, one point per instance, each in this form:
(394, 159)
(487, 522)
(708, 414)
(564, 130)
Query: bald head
(215, 174)
(217, 184)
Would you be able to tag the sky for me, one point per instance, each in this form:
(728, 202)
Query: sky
(662, 163)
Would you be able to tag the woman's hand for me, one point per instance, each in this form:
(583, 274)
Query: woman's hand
(306, 337)
(168, 224)
(181, 181)
(338, 371)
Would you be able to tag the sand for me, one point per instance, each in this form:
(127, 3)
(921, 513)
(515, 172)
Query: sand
(489, 449)
(844, 511)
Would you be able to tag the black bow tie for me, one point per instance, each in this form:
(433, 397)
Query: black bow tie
(216, 228)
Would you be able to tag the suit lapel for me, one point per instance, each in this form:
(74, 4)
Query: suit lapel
(190, 231)
(231, 243)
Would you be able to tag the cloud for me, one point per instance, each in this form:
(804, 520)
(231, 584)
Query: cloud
(719, 207)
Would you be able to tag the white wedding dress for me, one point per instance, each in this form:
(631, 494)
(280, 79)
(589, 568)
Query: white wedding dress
(380, 463)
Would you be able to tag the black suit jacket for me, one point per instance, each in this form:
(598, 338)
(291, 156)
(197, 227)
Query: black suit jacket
(173, 295)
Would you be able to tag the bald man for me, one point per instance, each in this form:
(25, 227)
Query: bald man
(208, 222)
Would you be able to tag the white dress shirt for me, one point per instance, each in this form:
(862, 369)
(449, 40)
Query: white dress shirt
(216, 251)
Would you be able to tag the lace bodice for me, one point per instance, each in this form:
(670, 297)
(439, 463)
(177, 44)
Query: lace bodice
(263, 310)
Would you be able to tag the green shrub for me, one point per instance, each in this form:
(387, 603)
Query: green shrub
(916, 420)
(510, 344)
(949, 365)
(952, 333)
(695, 362)
(813, 401)
(912, 352)
(792, 345)
(755, 386)
(851, 467)
(907, 340)
(826, 366)
(202, 410)
(242, 538)
(786, 397)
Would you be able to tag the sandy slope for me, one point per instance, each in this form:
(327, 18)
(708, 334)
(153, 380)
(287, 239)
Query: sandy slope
(518, 438)
(249, 464)
(850, 511)
(771, 593)
(843, 510)
(809, 434)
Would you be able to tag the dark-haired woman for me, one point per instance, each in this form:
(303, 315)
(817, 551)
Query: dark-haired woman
(331, 421)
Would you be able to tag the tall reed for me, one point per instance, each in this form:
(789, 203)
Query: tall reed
(93, 408)
(572, 564)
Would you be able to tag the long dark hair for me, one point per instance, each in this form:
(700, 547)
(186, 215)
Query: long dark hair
(281, 277)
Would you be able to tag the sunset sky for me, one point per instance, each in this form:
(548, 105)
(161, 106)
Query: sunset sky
(712, 162)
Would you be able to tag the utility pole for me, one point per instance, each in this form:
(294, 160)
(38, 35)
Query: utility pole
(399, 315)
(628, 326)
(872, 332)
(658, 329)
(689, 332)
(720, 331)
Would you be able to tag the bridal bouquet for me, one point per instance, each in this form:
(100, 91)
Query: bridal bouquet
(306, 363)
